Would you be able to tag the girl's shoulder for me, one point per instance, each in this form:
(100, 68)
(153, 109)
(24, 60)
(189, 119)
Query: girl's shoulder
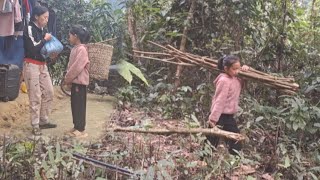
(223, 79)
(80, 47)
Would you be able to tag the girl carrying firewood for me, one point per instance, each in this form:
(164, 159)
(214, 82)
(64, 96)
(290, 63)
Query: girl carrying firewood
(226, 99)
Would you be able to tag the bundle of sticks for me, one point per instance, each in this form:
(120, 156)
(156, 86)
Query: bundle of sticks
(175, 56)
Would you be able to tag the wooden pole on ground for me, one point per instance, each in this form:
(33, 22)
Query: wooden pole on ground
(205, 131)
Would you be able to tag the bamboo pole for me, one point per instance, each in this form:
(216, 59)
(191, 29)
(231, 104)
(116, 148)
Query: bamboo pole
(166, 60)
(205, 131)
(151, 53)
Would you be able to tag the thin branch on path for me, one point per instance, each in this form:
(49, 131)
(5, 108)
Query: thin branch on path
(205, 131)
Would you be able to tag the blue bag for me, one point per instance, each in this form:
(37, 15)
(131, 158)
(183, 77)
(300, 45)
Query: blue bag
(52, 46)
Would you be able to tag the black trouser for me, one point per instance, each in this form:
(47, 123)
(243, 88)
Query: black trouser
(227, 123)
(78, 106)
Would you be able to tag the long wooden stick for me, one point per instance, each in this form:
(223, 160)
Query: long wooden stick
(205, 131)
(165, 60)
(107, 40)
(152, 53)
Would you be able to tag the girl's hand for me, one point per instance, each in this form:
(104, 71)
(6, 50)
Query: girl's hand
(211, 124)
(54, 55)
(64, 82)
(47, 37)
(245, 68)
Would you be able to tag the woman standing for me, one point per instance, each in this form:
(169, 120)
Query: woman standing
(35, 70)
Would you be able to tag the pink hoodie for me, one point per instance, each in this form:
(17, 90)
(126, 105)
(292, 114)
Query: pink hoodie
(226, 97)
(78, 67)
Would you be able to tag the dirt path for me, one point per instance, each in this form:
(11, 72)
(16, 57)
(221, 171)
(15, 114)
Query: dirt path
(14, 116)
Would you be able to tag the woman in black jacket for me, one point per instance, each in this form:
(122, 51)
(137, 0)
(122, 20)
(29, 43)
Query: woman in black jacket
(35, 70)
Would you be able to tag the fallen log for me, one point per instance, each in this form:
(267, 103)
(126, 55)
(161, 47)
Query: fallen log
(205, 131)
(175, 56)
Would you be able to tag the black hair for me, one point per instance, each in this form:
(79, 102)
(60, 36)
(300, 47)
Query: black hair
(81, 32)
(227, 61)
(38, 11)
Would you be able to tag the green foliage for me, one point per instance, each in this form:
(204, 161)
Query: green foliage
(17, 160)
(126, 70)
(128, 94)
(301, 115)
(186, 103)
(160, 170)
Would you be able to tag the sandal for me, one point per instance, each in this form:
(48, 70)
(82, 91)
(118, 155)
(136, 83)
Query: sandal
(36, 132)
(78, 134)
(69, 131)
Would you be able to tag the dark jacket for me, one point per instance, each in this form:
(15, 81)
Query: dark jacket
(33, 42)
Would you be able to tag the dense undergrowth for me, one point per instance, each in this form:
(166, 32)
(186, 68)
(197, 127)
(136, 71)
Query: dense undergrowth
(280, 37)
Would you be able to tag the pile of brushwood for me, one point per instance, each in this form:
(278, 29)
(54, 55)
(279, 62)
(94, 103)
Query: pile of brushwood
(174, 56)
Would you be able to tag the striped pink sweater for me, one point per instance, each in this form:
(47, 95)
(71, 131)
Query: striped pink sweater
(78, 67)
(226, 97)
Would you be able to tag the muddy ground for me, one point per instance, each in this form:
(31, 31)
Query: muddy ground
(14, 115)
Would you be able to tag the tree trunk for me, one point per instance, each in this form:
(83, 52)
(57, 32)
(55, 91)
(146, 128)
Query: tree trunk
(313, 21)
(282, 36)
(132, 31)
(183, 43)
(205, 131)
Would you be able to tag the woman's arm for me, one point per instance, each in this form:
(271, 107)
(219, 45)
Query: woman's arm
(33, 45)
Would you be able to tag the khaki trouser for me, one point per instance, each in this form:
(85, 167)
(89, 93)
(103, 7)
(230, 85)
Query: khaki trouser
(40, 91)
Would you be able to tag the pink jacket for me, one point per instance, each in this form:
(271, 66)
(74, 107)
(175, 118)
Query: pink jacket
(78, 67)
(226, 97)
(7, 20)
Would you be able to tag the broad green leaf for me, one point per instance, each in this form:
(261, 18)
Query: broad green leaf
(186, 88)
(192, 164)
(259, 118)
(150, 173)
(287, 162)
(45, 165)
(125, 69)
(64, 164)
(100, 178)
(313, 176)
(138, 73)
(125, 72)
(295, 126)
(51, 157)
(159, 175)
(316, 125)
(251, 178)
(58, 152)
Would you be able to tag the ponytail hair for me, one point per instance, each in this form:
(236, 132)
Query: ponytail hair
(81, 32)
(227, 61)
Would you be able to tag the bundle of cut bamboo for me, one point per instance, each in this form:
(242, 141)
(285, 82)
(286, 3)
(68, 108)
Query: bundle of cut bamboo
(174, 56)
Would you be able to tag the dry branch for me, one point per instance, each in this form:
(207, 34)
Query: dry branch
(205, 131)
(175, 56)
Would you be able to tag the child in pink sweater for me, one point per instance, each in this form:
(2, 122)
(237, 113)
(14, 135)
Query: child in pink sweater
(226, 99)
(78, 75)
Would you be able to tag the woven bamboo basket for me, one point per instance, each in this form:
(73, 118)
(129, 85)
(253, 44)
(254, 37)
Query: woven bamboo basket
(100, 56)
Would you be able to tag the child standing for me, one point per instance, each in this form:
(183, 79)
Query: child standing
(226, 99)
(78, 75)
